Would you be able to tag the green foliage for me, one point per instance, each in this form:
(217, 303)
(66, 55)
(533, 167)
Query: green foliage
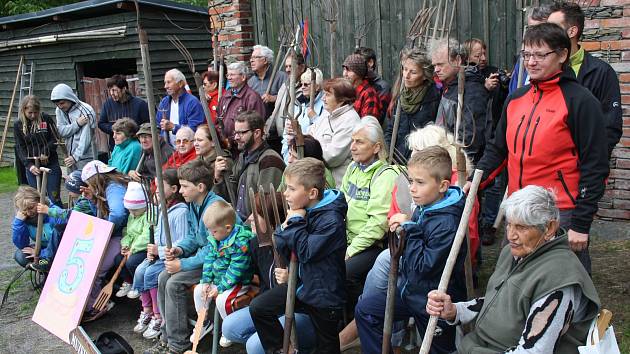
(16, 7)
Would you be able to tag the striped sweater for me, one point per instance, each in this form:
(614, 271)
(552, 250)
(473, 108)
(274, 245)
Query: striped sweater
(228, 262)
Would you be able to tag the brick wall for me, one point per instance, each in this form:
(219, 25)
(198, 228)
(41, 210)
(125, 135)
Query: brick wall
(237, 36)
(607, 35)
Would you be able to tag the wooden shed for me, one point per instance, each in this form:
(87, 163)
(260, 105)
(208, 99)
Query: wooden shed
(84, 43)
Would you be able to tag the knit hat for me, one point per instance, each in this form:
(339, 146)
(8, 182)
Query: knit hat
(94, 167)
(134, 197)
(357, 64)
(74, 182)
(145, 128)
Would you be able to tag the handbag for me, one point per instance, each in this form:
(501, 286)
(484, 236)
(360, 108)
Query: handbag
(595, 345)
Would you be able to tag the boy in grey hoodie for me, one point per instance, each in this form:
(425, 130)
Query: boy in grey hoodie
(76, 121)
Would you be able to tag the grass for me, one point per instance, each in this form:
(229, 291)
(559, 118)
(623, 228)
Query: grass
(8, 180)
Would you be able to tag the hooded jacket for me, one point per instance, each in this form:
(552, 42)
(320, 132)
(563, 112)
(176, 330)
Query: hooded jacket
(80, 142)
(409, 122)
(430, 235)
(551, 134)
(195, 243)
(228, 262)
(178, 224)
(368, 191)
(473, 127)
(319, 241)
(136, 234)
(24, 232)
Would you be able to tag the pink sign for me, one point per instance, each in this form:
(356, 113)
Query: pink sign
(72, 274)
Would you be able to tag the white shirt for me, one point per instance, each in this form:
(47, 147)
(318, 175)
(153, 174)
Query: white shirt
(174, 118)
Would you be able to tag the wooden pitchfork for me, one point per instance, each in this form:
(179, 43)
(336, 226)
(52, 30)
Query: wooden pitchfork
(201, 318)
(40, 217)
(396, 247)
(106, 292)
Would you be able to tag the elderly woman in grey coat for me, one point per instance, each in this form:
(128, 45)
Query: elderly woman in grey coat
(539, 298)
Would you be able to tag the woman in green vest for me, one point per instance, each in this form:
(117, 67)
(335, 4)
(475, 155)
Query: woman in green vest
(539, 298)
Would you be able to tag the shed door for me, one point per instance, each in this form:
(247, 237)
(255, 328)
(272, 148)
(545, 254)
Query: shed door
(95, 94)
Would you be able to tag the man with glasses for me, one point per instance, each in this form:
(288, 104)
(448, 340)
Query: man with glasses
(593, 73)
(257, 164)
(261, 63)
(239, 98)
(121, 104)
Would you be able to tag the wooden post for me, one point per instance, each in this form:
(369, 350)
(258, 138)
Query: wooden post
(155, 137)
(40, 218)
(452, 257)
(396, 247)
(6, 123)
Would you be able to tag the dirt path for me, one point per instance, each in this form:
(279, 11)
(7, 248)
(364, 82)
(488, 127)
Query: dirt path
(610, 251)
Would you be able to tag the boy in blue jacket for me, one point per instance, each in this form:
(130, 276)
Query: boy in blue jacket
(315, 229)
(429, 237)
(184, 262)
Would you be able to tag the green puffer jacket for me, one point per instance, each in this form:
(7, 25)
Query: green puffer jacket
(136, 234)
(228, 262)
(368, 191)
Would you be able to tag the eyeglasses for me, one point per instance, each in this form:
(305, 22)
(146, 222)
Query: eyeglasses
(257, 57)
(182, 141)
(538, 57)
(241, 132)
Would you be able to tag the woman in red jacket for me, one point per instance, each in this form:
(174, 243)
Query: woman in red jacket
(550, 134)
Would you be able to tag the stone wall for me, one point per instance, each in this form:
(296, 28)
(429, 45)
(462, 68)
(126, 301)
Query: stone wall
(607, 35)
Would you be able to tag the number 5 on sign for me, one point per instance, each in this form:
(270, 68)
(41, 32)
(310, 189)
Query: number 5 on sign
(72, 274)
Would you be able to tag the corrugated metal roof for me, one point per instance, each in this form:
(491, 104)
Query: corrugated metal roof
(89, 6)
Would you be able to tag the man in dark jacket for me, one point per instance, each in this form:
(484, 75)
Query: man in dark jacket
(121, 104)
(447, 58)
(147, 163)
(239, 98)
(257, 165)
(315, 230)
(429, 237)
(593, 73)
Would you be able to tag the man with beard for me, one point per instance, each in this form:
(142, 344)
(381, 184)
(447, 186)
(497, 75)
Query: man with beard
(121, 104)
(257, 163)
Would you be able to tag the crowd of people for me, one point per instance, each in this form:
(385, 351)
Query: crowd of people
(547, 139)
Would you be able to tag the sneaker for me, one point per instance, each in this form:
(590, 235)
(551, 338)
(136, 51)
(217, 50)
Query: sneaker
(133, 294)
(124, 289)
(42, 266)
(207, 328)
(153, 330)
(224, 342)
(159, 348)
(143, 322)
(94, 315)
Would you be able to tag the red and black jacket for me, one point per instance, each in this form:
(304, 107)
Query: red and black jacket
(550, 134)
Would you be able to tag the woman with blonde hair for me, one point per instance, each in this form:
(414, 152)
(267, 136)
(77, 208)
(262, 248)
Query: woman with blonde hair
(36, 145)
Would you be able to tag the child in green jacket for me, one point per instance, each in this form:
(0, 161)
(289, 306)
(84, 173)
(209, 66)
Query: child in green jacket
(227, 269)
(135, 236)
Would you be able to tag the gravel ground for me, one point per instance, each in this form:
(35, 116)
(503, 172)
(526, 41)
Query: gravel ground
(17, 327)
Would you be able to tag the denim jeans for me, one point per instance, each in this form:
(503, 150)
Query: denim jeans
(147, 273)
(376, 283)
(493, 199)
(238, 327)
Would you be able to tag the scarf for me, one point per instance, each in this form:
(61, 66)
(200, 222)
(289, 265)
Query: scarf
(411, 99)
